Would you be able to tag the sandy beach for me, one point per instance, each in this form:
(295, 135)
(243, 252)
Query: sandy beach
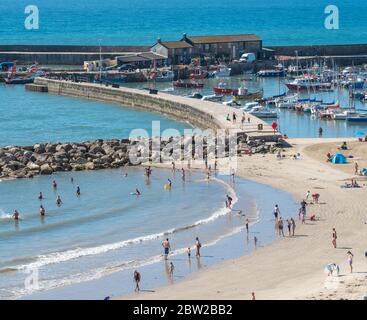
(293, 267)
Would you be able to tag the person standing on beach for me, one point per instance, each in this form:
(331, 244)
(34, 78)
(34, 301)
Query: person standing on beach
(137, 279)
(334, 238)
(189, 252)
(173, 166)
(293, 226)
(350, 260)
(171, 268)
(276, 211)
(281, 227)
(289, 225)
(307, 195)
(247, 225)
(197, 246)
(356, 168)
(167, 247)
(234, 117)
(255, 241)
(303, 210)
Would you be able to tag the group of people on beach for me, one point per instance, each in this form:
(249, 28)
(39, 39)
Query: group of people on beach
(279, 223)
(42, 210)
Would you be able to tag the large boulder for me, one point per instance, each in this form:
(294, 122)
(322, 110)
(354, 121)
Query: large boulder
(46, 169)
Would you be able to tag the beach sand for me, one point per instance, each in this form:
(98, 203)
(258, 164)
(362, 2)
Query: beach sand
(293, 267)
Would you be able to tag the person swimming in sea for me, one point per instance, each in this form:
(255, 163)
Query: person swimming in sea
(54, 184)
(58, 201)
(16, 215)
(40, 196)
(229, 201)
(78, 191)
(169, 183)
(42, 210)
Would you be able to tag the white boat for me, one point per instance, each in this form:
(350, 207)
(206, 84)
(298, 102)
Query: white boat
(248, 106)
(261, 112)
(360, 117)
(343, 115)
(232, 103)
(213, 98)
(222, 72)
(165, 76)
(287, 102)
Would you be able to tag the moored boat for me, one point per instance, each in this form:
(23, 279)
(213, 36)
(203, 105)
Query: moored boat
(191, 84)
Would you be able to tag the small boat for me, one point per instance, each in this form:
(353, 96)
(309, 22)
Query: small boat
(223, 89)
(196, 95)
(271, 73)
(192, 84)
(262, 113)
(307, 83)
(243, 94)
(165, 76)
(326, 115)
(360, 117)
(222, 72)
(19, 80)
(213, 98)
(232, 103)
(199, 73)
(344, 114)
(250, 105)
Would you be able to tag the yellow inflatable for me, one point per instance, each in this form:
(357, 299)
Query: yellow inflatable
(166, 186)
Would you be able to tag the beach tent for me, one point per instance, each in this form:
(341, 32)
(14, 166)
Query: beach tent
(339, 159)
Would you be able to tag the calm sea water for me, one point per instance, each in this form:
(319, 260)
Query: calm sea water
(28, 117)
(277, 22)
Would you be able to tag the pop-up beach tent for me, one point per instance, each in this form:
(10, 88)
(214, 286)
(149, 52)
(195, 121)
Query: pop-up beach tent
(339, 159)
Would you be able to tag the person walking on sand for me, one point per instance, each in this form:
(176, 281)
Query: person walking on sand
(173, 166)
(171, 268)
(189, 252)
(281, 227)
(334, 235)
(234, 117)
(307, 195)
(350, 260)
(167, 247)
(255, 241)
(137, 279)
(293, 226)
(356, 168)
(197, 246)
(289, 226)
(276, 211)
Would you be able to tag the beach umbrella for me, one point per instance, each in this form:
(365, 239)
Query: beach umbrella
(360, 134)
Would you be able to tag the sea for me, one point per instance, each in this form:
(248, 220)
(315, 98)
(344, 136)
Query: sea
(141, 22)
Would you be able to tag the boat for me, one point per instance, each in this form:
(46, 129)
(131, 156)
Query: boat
(344, 114)
(199, 73)
(164, 76)
(360, 117)
(191, 84)
(19, 80)
(196, 95)
(326, 115)
(232, 103)
(223, 89)
(243, 94)
(307, 83)
(271, 73)
(222, 72)
(249, 105)
(213, 98)
(262, 113)
(286, 102)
